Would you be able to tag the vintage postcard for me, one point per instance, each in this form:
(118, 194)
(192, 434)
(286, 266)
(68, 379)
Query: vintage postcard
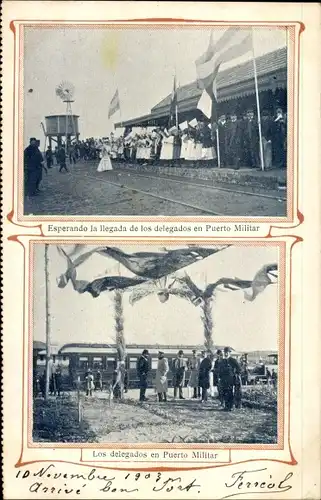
(161, 250)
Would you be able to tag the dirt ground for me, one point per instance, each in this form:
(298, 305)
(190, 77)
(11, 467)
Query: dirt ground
(84, 191)
(180, 421)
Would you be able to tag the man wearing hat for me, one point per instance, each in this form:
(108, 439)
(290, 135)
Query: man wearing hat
(233, 141)
(229, 374)
(222, 137)
(279, 139)
(193, 365)
(142, 372)
(204, 375)
(178, 369)
(251, 140)
(161, 377)
(33, 164)
(217, 381)
(267, 132)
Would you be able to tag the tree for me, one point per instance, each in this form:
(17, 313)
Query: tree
(185, 288)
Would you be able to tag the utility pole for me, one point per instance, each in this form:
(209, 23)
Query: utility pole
(48, 333)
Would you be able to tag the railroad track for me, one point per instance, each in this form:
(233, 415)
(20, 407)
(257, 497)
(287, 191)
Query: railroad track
(152, 195)
(204, 186)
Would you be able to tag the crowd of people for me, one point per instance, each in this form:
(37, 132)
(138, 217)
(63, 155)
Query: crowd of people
(202, 376)
(234, 143)
(205, 373)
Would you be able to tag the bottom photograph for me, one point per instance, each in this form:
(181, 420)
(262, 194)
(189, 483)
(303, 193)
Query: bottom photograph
(150, 344)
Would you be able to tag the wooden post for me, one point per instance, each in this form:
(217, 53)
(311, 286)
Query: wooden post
(48, 332)
(257, 103)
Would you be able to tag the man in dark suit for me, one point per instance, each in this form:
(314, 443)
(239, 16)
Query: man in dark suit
(143, 368)
(251, 140)
(229, 373)
(204, 375)
(279, 131)
(217, 381)
(222, 138)
(33, 164)
(233, 141)
(178, 368)
(61, 158)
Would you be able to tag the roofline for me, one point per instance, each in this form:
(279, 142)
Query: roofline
(56, 116)
(137, 346)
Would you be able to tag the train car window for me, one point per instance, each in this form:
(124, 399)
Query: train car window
(98, 362)
(154, 363)
(132, 363)
(83, 362)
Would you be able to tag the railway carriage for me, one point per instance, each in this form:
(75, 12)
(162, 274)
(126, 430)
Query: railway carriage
(75, 359)
(103, 357)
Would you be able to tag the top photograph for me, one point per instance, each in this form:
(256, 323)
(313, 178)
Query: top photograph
(155, 120)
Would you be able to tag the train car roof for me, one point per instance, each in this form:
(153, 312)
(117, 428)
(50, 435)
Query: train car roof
(87, 348)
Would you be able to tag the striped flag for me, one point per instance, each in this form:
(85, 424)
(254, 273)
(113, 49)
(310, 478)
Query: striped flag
(234, 43)
(114, 105)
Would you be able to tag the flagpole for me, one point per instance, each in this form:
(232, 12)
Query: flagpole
(218, 147)
(48, 332)
(176, 106)
(257, 103)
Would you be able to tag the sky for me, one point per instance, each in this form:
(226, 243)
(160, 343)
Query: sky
(244, 325)
(140, 63)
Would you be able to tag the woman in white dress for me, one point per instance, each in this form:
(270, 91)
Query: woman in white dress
(105, 162)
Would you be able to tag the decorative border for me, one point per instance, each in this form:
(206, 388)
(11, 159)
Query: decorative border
(284, 360)
(294, 30)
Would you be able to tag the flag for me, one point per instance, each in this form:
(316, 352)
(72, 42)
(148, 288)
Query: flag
(173, 106)
(205, 104)
(155, 265)
(114, 105)
(144, 265)
(261, 280)
(258, 284)
(234, 43)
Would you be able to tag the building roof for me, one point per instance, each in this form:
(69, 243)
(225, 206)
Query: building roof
(37, 345)
(268, 63)
(232, 83)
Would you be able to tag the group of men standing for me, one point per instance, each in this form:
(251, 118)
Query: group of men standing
(205, 370)
(239, 140)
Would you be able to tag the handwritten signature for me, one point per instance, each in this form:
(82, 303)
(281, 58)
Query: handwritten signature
(243, 483)
(45, 481)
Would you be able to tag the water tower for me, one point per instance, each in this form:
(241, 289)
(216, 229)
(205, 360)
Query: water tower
(60, 127)
(65, 125)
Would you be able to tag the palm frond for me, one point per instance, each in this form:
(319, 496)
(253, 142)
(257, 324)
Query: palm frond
(140, 292)
(183, 294)
(189, 283)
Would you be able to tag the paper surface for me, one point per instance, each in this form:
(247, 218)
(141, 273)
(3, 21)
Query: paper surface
(270, 451)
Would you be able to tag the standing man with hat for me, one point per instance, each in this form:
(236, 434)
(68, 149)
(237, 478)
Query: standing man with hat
(193, 365)
(204, 375)
(222, 137)
(229, 373)
(161, 377)
(251, 140)
(233, 141)
(179, 367)
(142, 372)
(217, 380)
(33, 164)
